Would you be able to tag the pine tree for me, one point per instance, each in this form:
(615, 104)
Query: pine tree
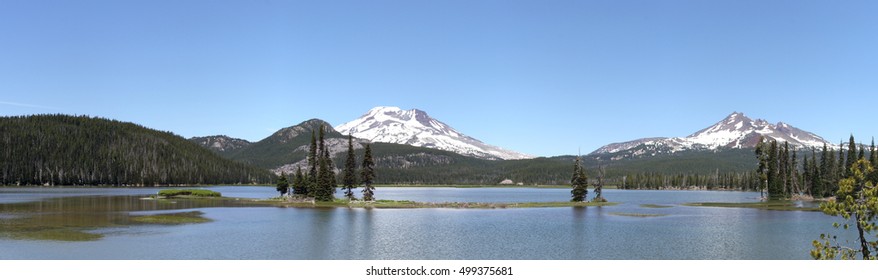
(300, 186)
(579, 182)
(816, 177)
(325, 175)
(840, 168)
(350, 177)
(852, 157)
(283, 185)
(775, 181)
(862, 153)
(367, 174)
(312, 167)
(794, 175)
(873, 158)
(807, 180)
(827, 171)
(762, 170)
(784, 169)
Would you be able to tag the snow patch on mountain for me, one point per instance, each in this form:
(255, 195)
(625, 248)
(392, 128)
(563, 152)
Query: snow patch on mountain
(416, 128)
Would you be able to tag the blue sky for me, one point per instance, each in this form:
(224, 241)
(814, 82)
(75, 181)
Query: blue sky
(540, 77)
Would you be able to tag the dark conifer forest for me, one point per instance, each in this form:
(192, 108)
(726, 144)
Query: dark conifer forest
(80, 150)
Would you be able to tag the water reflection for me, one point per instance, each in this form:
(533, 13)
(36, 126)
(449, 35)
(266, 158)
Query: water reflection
(292, 233)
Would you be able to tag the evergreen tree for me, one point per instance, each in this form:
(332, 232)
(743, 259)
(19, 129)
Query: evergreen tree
(367, 174)
(784, 169)
(794, 175)
(325, 175)
(873, 158)
(579, 182)
(840, 163)
(807, 180)
(300, 186)
(312, 167)
(862, 154)
(827, 172)
(350, 177)
(762, 170)
(283, 185)
(816, 177)
(851, 157)
(775, 181)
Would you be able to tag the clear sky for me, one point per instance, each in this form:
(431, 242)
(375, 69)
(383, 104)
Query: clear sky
(540, 77)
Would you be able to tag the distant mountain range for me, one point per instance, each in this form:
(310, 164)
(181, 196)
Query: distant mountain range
(416, 128)
(736, 131)
(409, 146)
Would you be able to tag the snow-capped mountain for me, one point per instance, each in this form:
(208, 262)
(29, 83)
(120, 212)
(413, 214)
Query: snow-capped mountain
(736, 131)
(416, 128)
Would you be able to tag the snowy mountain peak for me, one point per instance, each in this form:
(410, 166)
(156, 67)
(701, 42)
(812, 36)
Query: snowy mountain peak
(415, 127)
(734, 132)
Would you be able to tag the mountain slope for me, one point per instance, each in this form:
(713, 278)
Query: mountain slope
(221, 144)
(416, 128)
(736, 131)
(69, 150)
(289, 145)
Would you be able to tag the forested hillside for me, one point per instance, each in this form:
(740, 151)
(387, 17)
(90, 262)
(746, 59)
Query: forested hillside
(79, 150)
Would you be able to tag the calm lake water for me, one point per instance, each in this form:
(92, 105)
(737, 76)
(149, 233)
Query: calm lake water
(239, 231)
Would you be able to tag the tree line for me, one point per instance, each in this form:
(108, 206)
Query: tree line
(56, 150)
(320, 181)
(782, 176)
(744, 181)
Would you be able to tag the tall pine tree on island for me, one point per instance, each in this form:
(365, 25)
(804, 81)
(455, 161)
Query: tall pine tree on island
(349, 181)
(579, 182)
(762, 170)
(311, 189)
(367, 175)
(300, 185)
(325, 175)
(283, 185)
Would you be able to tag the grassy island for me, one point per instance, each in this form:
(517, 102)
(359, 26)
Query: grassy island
(406, 204)
(174, 193)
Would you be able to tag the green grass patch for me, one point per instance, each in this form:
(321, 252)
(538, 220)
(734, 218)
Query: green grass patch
(637, 215)
(655, 206)
(780, 205)
(193, 217)
(56, 234)
(188, 192)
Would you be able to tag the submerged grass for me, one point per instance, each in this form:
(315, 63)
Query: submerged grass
(781, 205)
(655, 206)
(637, 215)
(193, 217)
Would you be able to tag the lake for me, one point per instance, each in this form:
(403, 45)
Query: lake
(103, 216)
